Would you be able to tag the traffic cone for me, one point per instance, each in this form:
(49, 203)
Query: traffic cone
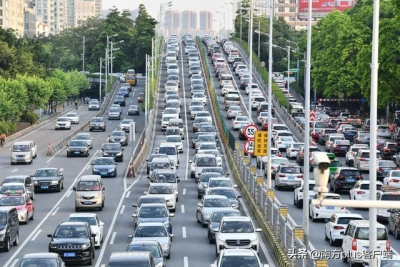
(48, 150)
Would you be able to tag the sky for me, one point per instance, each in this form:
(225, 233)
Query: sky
(153, 6)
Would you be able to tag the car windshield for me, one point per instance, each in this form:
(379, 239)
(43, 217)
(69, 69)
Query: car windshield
(395, 197)
(168, 150)
(291, 170)
(223, 192)
(153, 212)
(151, 231)
(161, 190)
(160, 165)
(71, 232)
(77, 143)
(104, 161)
(82, 137)
(12, 201)
(349, 173)
(206, 138)
(237, 227)
(126, 122)
(220, 183)
(217, 216)
(152, 248)
(88, 186)
(346, 220)
(118, 134)
(34, 262)
(164, 178)
(112, 146)
(208, 128)
(207, 146)
(63, 119)
(143, 200)
(72, 115)
(216, 202)
(20, 148)
(366, 187)
(239, 261)
(362, 233)
(386, 163)
(174, 139)
(97, 120)
(13, 180)
(206, 161)
(215, 170)
(90, 220)
(45, 173)
(278, 161)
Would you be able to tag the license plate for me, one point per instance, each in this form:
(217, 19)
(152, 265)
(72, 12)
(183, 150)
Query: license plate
(22, 159)
(69, 254)
(88, 202)
(291, 177)
(103, 173)
(350, 180)
(330, 208)
(77, 152)
(44, 187)
(344, 147)
(96, 127)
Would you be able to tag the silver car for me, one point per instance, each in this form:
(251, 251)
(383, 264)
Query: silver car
(85, 137)
(208, 204)
(118, 137)
(154, 231)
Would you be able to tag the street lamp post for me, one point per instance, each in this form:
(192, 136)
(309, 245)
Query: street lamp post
(100, 67)
(270, 60)
(107, 57)
(114, 49)
(251, 58)
(241, 21)
(83, 51)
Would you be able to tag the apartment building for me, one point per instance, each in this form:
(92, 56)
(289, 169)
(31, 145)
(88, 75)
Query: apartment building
(189, 20)
(206, 21)
(172, 21)
(12, 15)
(81, 10)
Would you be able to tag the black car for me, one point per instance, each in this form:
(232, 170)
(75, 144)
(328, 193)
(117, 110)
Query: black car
(48, 179)
(74, 242)
(388, 150)
(77, 148)
(42, 259)
(118, 137)
(119, 99)
(133, 110)
(113, 150)
(344, 178)
(349, 134)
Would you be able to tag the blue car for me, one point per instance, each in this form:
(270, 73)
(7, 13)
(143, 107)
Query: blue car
(124, 92)
(105, 167)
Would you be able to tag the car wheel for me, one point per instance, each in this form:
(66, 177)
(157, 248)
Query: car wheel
(344, 258)
(299, 205)
(169, 255)
(62, 185)
(90, 262)
(7, 245)
(16, 240)
(396, 233)
(33, 215)
(76, 209)
(197, 217)
(331, 241)
(326, 236)
(59, 188)
(27, 218)
(100, 208)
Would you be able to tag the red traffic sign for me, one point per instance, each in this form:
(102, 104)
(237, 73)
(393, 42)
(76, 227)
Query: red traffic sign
(250, 131)
(249, 146)
(312, 115)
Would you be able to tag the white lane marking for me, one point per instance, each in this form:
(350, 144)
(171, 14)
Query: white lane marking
(54, 213)
(183, 208)
(113, 238)
(184, 232)
(21, 247)
(14, 262)
(14, 170)
(184, 191)
(185, 120)
(122, 209)
(185, 262)
(36, 235)
(114, 219)
(69, 193)
(128, 194)
(88, 167)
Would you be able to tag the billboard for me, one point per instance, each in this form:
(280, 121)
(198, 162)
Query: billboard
(321, 7)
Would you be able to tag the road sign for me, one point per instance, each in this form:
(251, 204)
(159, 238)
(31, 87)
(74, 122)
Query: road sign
(261, 143)
(312, 115)
(249, 146)
(250, 130)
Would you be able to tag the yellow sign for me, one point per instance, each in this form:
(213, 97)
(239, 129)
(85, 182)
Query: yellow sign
(246, 160)
(253, 169)
(260, 180)
(261, 143)
(237, 145)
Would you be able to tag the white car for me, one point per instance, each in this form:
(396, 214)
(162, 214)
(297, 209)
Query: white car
(262, 116)
(233, 112)
(254, 86)
(236, 232)
(96, 225)
(63, 123)
(238, 121)
(360, 190)
(173, 69)
(125, 125)
(165, 190)
(352, 152)
(226, 88)
(293, 149)
(74, 117)
(171, 85)
(383, 131)
(86, 137)
(298, 194)
(392, 178)
(325, 212)
(176, 140)
(199, 97)
(283, 142)
(215, 152)
(338, 223)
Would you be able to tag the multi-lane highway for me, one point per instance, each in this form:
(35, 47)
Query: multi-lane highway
(190, 246)
(286, 196)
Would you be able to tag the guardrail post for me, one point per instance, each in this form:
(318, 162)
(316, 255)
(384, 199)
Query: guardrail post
(283, 212)
(321, 263)
(269, 203)
(298, 232)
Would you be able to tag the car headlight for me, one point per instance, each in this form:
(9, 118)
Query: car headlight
(253, 239)
(105, 154)
(119, 153)
(98, 195)
(160, 264)
(111, 170)
(35, 183)
(85, 246)
(53, 246)
(54, 182)
(27, 156)
(166, 223)
(78, 196)
(165, 246)
(95, 170)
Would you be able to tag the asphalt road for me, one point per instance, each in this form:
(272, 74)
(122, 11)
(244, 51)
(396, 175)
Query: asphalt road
(190, 246)
(286, 197)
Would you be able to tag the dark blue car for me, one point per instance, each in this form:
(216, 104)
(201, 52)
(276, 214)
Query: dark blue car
(154, 212)
(349, 135)
(105, 167)
(124, 92)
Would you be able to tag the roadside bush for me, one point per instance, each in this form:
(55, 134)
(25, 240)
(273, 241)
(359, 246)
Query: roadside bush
(4, 127)
(32, 117)
(12, 127)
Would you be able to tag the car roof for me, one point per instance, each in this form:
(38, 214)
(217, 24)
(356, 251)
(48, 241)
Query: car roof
(215, 197)
(83, 215)
(153, 205)
(238, 252)
(348, 215)
(41, 255)
(90, 177)
(161, 184)
(135, 256)
(237, 218)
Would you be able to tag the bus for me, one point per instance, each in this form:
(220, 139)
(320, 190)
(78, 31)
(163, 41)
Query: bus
(130, 77)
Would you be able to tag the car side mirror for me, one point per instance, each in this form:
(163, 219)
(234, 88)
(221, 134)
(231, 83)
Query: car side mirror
(390, 210)
(74, 188)
(49, 235)
(93, 235)
(199, 205)
(122, 149)
(145, 192)
(342, 233)
(239, 196)
(172, 215)
(134, 215)
(178, 180)
(101, 223)
(258, 230)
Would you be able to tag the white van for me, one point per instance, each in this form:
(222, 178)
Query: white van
(23, 152)
(171, 151)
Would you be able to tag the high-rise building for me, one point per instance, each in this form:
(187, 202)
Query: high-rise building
(29, 19)
(12, 15)
(80, 10)
(189, 20)
(206, 21)
(172, 21)
(52, 13)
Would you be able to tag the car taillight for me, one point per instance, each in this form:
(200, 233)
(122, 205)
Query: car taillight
(363, 160)
(394, 180)
(279, 142)
(354, 244)
(342, 208)
(300, 176)
(317, 207)
(281, 175)
(387, 245)
(272, 168)
(338, 227)
(379, 169)
(360, 192)
(360, 177)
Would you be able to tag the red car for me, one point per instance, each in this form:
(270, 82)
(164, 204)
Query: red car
(140, 98)
(265, 125)
(21, 202)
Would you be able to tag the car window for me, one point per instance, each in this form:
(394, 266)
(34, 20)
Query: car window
(151, 231)
(237, 227)
(88, 186)
(216, 202)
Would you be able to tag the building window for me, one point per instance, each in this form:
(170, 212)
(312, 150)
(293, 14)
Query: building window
(293, 1)
(1, 12)
(292, 9)
(1, 21)
(281, 9)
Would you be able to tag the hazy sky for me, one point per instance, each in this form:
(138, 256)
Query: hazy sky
(153, 6)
